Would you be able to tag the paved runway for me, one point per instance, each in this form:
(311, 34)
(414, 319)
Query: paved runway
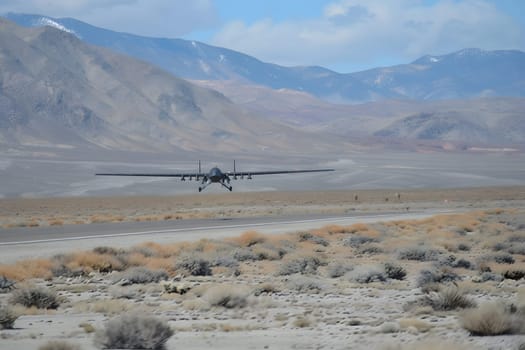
(22, 243)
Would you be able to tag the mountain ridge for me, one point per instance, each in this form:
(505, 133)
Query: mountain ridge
(442, 77)
(57, 90)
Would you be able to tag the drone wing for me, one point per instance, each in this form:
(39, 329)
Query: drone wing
(274, 172)
(183, 175)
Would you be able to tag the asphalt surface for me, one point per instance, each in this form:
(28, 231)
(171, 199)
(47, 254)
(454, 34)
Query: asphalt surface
(22, 243)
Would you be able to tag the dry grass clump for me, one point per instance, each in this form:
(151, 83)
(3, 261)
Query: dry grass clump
(7, 317)
(357, 227)
(104, 306)
(265, 288)
(494, 318)
(367, 274)
(26, 269)
(134, 331)
(227, 296)
(300, 264)
(58, 345)
(305, 284)
(394, 271)
(194, 265)
(92, 261)
(338, 269)
(316, 239)
(258, 252)
(140, 275)
(357, 241)
(517, 248)
(419, 253)
(39, 297)
(448, 298)
(152, 249)
(428, 278)
(249, 238)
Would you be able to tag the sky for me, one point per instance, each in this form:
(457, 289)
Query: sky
(343, 35)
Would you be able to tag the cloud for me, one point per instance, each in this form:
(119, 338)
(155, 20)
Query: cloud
(164, 18)
(375, 31)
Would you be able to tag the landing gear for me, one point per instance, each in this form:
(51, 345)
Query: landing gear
(205, 182)
(229, 188)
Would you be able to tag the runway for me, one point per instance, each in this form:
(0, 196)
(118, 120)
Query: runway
(23, 243)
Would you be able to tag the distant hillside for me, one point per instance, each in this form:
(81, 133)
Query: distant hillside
(469, 73)
(482, 121)
(56, 91)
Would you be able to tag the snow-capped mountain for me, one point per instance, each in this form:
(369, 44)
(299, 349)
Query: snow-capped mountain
(464, 74)
(58, 92)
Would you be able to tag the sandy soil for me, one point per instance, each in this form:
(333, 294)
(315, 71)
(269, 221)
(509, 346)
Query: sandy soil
(275, 306)
(84, 210)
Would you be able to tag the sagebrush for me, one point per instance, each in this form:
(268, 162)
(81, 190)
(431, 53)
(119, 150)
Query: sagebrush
(134, 331)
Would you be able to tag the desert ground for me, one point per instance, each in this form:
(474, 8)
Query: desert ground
(448, 281)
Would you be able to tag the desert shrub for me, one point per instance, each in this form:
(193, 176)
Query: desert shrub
(244, 254)
(338, 269)
(7, 317)
(308, 237)
(463, 247)
(499, 246)
(514, 274)
(140, 275)
(517, 238)
(250, 238)
(225, 261)
(87, 327)
(419, 253)
(357, 241)
(448, 260)
(301, 264)
(503, 259)
(91, 261)
(39, 297)
(58, 345)
(227, 296)
(367, 274)
(108, 250)
(518, 248)
(304, 284)
(394, 271)
(134, 331)
(265, 288)
(267, 252)
(370, 249)
(258, 252)
(448, 298)
(194, 265)
(440, 275)
(463, 263)
(61, 270)
(491, 319)
(490, 276)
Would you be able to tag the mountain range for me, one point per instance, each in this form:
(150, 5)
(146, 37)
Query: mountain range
(469, 73)
(58, 92)
(66, 85)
